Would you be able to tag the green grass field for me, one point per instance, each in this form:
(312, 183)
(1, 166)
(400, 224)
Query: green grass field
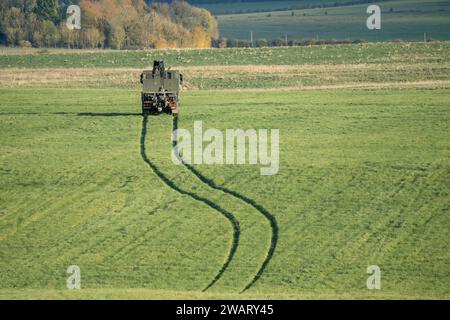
(409, 20)
(344, 66)
(363, 180)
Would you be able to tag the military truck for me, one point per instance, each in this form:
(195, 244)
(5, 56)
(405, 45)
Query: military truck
(160, 90)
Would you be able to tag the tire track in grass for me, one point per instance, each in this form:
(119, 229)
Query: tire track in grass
(172, 185)
(267, 215)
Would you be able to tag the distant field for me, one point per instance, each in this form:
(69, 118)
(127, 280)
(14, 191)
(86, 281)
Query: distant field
(329, 66)
(369, 53)
(409, 20)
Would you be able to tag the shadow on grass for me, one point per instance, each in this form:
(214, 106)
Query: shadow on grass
(109, 114)
(80, 114)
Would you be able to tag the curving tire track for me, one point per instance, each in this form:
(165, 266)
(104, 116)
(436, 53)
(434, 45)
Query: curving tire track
(267, 215)
(226, 214)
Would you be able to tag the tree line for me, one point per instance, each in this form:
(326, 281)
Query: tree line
(116, 24)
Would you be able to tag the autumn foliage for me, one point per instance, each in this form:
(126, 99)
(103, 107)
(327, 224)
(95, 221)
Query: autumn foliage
(117, 24)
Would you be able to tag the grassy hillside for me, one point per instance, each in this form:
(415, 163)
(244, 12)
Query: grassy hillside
(363, 180)
(409, 20)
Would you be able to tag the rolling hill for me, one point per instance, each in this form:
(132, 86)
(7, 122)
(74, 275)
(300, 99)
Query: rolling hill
(402, 19)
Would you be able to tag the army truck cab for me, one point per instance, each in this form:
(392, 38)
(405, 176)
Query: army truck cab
(160, 90)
